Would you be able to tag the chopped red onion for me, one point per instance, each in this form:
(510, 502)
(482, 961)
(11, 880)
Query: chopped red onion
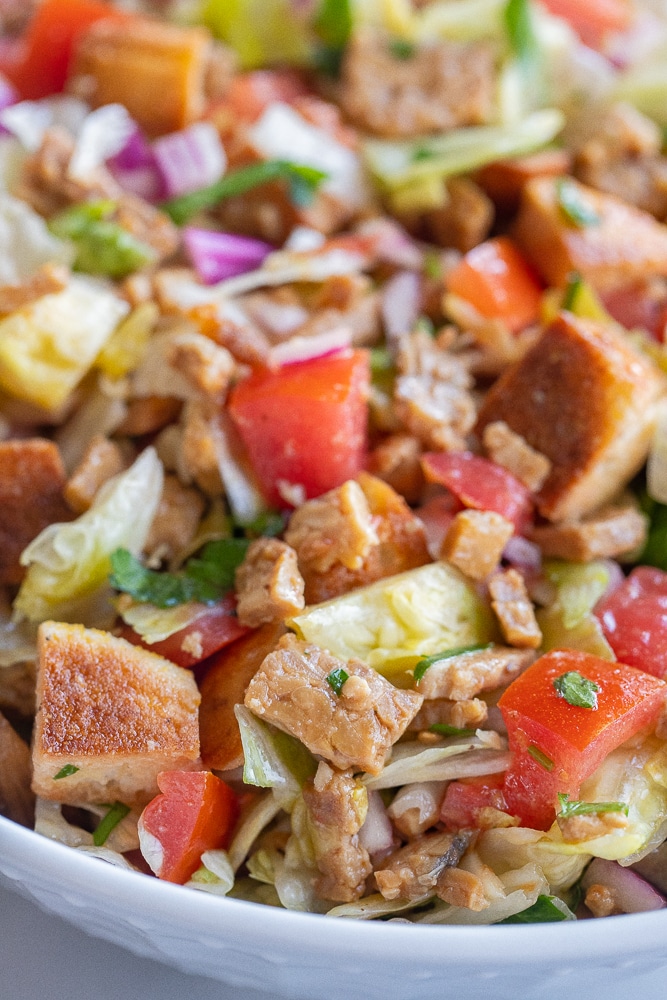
(216, 256)
(393, 244)
(400, 305)
(523, 554)
(190, 159)
(104, 133)
(633, 893)
(320, 345)
(376, 834)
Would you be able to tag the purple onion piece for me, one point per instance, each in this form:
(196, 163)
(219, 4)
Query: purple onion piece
(633, 893)
(191, 159)
(216, 256)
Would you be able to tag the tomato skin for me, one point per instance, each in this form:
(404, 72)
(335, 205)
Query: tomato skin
(465, 801)
(496, 279)
(305, 424)
(40, 65)
(217, 626)
(634, 620)
(479, 483)
(196, 812)
(594, 19)
(573, 739)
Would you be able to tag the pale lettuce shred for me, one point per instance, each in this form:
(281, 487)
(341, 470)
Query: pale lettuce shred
(68, 564)
(484, 753)
(215, 874)
(568, 621)
(262, 812)
(155, 624)
(273, 759)
(515, 891)
(25, 239)
(50, 823)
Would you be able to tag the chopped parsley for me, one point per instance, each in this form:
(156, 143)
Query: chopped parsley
(428, 661)
(574, 807)
(577, 690)
(65, 772)
(521, 32)
(336, 679)
(540, 757)
(117, 812)
(572, 290)
(332, 24)
(302, 180)
(401, 49)
(205, 578)
(574, 206)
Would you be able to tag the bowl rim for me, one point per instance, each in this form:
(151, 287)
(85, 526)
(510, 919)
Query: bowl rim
(55, 864)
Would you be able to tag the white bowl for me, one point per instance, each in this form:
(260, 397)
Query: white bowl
(305, 956)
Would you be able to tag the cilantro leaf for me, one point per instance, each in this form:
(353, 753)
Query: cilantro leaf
(65, 771)
(544, 910)
(521, 32)
(117, 812)
(303, 183)
(574, 807)
(577, 690)
(337, 678)
(540, 757)
(401, 49)
(428, 661)
(443, 729)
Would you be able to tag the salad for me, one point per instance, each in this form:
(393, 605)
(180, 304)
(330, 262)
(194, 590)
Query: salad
(333, 452)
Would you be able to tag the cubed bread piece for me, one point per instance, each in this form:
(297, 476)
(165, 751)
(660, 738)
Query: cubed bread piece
(620, 243)
(585, 398)
(116, 712)
(32, 479)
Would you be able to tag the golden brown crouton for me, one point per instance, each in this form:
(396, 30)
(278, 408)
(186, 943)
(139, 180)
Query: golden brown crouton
(475, 541)
(585, 398)
(514, 610)
(612, 532)
(510, 450)
(223, 687)
(32, 478)
(116, 712)
(156, 70)
(102, 460)
(619, 244)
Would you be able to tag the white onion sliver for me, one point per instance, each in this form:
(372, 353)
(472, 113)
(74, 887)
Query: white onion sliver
(400, 304)
(308, 348)
(633, 894)
(28, 121)
(523, 554)
(190, 159)
(104, 133)
(376, 834)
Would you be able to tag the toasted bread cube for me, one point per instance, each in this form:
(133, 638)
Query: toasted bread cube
(32, 479)
(585, 398)
(156, 70)
(475, 541)
(622, 244)
(116, 712)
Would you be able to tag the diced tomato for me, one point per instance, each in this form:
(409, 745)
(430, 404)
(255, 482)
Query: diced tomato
(468, 803)
(304, 425)
(497, 280)
(196, 812)
(216, 626)
(593, 20)
(634, 620)
(480, 483)
(556, 745)
(639, 306)
(39, 66)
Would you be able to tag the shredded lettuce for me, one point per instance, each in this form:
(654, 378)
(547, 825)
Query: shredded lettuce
(26, 242)
(273, 759)
(458, 758)
(569, 622)
(68, 564)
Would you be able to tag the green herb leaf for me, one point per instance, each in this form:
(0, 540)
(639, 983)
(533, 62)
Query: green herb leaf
(401, 49)
(520, 26)
(573, 206)
(268, 524)
(102, 246)
(109, 822)
(65, 771)
(205, 578)
(303, 182)
(337, 678)
(428, 661)
(572, 289)
(577, 690)
(540, 757)
(443, 729)
(574, 807)
(332, 25)
(544, 910)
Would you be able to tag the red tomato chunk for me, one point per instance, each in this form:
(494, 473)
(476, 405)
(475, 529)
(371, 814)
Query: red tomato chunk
(556, 745)
(195, 813)
(634, 620)
(304, 425)
(479, 483)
